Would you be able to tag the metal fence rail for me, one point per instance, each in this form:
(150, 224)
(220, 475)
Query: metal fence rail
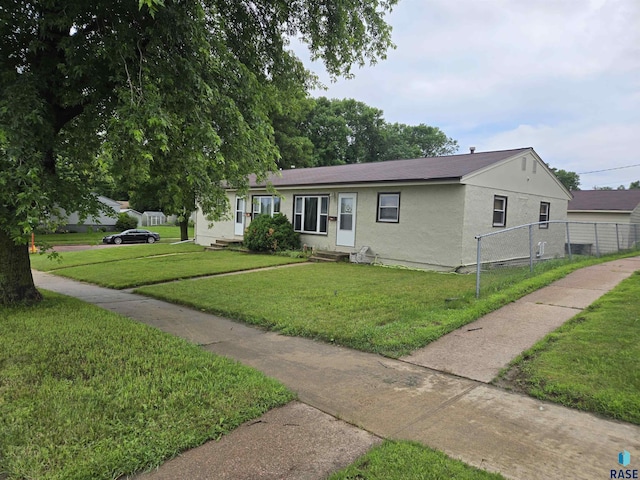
(528, 245)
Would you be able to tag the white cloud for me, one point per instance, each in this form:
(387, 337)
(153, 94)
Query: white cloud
(562, 76)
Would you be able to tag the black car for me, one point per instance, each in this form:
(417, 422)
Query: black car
(132, 236)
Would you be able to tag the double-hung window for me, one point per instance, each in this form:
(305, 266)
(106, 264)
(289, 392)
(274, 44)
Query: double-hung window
(388, 207)
(311, 213)
(266, 205)
(499, 211)
(544, 214)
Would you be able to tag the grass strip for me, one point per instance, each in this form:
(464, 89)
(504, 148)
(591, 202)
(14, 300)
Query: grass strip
(47, 263)
(156, 269)
(410, 461)
(592, 362)
(86, 393)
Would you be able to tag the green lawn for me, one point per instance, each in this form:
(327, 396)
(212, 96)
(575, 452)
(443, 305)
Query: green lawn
(388, 311)
(146, 270)
(593, 361)
(44, 262)
(86, 393)
(168, 233)
(410, 461)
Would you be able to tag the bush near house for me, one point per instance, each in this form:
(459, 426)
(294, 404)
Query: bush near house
(125, 222)
(271, 234)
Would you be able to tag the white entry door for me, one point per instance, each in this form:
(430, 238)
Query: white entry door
(346, 236)
(239, 217)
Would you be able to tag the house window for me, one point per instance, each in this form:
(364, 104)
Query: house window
(310, 213)
(544, 214)
(388, 207)
(266, 205)
(499, 211)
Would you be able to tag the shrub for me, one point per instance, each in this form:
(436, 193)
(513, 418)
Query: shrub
(125, 222)
(271, 234)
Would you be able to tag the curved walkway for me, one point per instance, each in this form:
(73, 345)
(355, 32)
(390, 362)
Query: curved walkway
(485, 426)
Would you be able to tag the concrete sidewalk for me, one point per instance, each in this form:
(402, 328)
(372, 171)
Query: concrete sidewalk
(482, 425)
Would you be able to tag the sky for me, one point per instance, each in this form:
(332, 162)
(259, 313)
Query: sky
(561, 76)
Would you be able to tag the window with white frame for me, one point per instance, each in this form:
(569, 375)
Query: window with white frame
(499, 211)
(544, 214)
(388, 207)
(311, 213)
(265, 205)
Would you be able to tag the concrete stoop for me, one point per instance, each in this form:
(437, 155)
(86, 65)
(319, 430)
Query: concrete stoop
(329, 256)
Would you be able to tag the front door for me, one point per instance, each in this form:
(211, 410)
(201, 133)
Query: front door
(346, 236)
(238, 228)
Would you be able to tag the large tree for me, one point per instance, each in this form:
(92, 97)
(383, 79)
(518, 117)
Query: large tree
(180, 86)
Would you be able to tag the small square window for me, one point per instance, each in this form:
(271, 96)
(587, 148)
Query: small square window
(388, 207)
(499, 211)
(545, 208)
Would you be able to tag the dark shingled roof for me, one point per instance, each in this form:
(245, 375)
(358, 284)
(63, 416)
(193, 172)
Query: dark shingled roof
(619, 200)
(450, 167)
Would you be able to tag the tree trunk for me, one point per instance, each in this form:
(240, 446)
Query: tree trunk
(16, 281)
(184, 229)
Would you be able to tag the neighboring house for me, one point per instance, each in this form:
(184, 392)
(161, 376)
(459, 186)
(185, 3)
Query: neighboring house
(423, 212)
(104, 220)
(617, 206)
(133, 214)
(150, 219)
(597, 211)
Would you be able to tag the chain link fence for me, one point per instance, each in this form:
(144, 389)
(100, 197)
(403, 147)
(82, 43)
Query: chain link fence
(507, 255)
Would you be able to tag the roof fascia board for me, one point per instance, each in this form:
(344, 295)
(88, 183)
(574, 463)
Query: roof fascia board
(355, 185)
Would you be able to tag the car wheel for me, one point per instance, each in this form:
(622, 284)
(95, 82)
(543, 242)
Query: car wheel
(117, 240)
(151, 239)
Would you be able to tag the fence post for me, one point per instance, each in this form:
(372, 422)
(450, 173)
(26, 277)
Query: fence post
(478, 261)
(617, 237)
(595, 229)
(530, 248)
(568, 241)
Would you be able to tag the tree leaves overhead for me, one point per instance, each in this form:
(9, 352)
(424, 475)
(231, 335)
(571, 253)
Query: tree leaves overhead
(155, 86)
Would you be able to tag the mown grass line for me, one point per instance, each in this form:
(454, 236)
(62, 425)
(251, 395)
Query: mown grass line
(86, 393)
(592, 362)
(157, 269)
(47, 263)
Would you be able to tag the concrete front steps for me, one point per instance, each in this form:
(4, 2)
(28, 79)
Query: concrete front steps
(327, 256)
(223, 243)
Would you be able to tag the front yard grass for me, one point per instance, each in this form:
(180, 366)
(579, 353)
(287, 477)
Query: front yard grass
(45, 262)
(182, 263)
(592, 362)
(410, 461)
(86, 393)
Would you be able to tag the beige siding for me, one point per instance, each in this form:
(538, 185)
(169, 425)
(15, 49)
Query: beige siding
(526, 182)
(428, 233)
(613, 217)
(635, 215)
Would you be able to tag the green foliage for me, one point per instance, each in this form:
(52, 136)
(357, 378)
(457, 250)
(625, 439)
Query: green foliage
(571, 180)
(347, 131)
(634, 185)
(176, 94)
(271, 234)
(125, 222)
(90, 394)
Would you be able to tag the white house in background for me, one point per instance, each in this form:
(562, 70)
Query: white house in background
(617, 206)
(423, 212)
(150, 218)
(133, 214)
(106, 220)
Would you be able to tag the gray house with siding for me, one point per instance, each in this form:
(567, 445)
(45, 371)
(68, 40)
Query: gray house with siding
(422, 212)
